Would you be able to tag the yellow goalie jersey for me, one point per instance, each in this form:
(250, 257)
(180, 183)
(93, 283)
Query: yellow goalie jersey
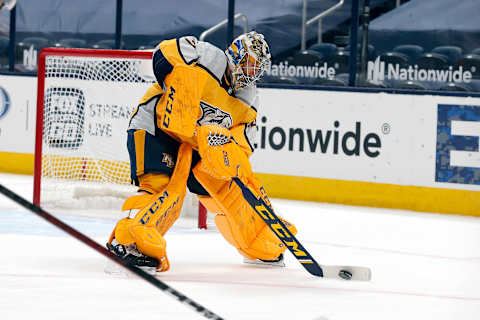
(192, 90)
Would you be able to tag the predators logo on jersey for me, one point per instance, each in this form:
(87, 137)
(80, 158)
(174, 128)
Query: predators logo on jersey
(213, 115)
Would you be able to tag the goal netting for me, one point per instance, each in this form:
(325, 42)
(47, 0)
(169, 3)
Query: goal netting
(85, 98)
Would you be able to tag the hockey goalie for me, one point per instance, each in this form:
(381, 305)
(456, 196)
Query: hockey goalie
(194, 128)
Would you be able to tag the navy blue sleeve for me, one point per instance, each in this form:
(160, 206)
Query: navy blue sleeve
(161, 66)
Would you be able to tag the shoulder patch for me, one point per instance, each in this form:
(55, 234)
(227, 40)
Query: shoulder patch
(212, 59)
(187, 47)
(191, 41)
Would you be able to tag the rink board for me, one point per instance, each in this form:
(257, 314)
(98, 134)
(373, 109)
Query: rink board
(416, 152)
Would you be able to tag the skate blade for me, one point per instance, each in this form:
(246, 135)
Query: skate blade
(114, 269)
(278, 264)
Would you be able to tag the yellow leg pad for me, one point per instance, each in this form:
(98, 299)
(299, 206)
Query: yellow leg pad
(224, 228)
(209, 203)
(150, 182)
(164, 208)
(137, 201)
(157, 212)
(267, 241)
(150, 242)
(122, 232)
(153, 182)
(241, 226)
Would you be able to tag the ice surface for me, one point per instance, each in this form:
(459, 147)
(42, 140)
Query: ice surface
(424, 266)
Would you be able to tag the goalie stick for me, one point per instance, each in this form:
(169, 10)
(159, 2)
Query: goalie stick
(295, 247)
(100, 249)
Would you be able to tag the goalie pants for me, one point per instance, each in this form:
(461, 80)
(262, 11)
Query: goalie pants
(151, 155)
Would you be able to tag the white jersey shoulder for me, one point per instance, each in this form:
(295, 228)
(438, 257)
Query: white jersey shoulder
(212, 58)
(248, 95)
(187, 46)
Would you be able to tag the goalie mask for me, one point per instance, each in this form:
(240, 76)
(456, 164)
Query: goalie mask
(248, 57)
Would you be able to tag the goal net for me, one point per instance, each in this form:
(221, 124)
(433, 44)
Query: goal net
(84, 101)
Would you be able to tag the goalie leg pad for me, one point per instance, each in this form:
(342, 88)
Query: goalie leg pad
(240, 224)
(209, 203)
(164, 208)
(149, 185)
(153, 182)
(149, 225)
(150, 242)
(122, 232)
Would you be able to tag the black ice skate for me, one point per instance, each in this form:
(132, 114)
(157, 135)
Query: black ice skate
(132, 256)
(279, 262)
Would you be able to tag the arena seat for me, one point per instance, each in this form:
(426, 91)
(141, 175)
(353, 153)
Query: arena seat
(146, 47)
(154, 43)
(453, 53)
(412, 51)
(452, 86)
(335, 82)
(307, 58)
(278, 80)
(474, 84)
(394, 58)
(371, 52)
(369, 84)
(71, 43)
(345, 77)
(470, 62)
(476, 51)
(106, 44)
(340, 61)
(410, 85)
(325, 49)
(4, 42)
(36, 42)
(432, 60)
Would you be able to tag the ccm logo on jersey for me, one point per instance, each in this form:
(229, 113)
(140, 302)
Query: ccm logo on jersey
(169, 107)
(457, 152)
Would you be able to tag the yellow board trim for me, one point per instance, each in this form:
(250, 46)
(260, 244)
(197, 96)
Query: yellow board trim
(424, 199)
(357, 193)
(18, 163)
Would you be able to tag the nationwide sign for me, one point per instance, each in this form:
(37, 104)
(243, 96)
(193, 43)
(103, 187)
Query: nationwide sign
(379, 71)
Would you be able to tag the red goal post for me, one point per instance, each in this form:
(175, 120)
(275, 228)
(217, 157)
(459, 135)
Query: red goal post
(84, 100)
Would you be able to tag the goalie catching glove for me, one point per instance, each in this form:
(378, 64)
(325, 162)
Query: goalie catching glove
(221, 157)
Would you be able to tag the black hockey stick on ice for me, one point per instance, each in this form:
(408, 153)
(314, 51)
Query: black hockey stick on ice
(299, 252)
(100, 249)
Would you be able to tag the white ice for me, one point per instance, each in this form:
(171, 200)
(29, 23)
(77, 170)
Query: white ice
(424, 266)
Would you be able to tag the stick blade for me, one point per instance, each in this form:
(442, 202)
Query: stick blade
(347, 273)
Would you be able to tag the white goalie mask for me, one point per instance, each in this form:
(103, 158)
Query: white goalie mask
(248, 57)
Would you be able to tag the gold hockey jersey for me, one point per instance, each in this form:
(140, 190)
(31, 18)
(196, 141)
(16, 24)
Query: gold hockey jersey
(191, 91)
